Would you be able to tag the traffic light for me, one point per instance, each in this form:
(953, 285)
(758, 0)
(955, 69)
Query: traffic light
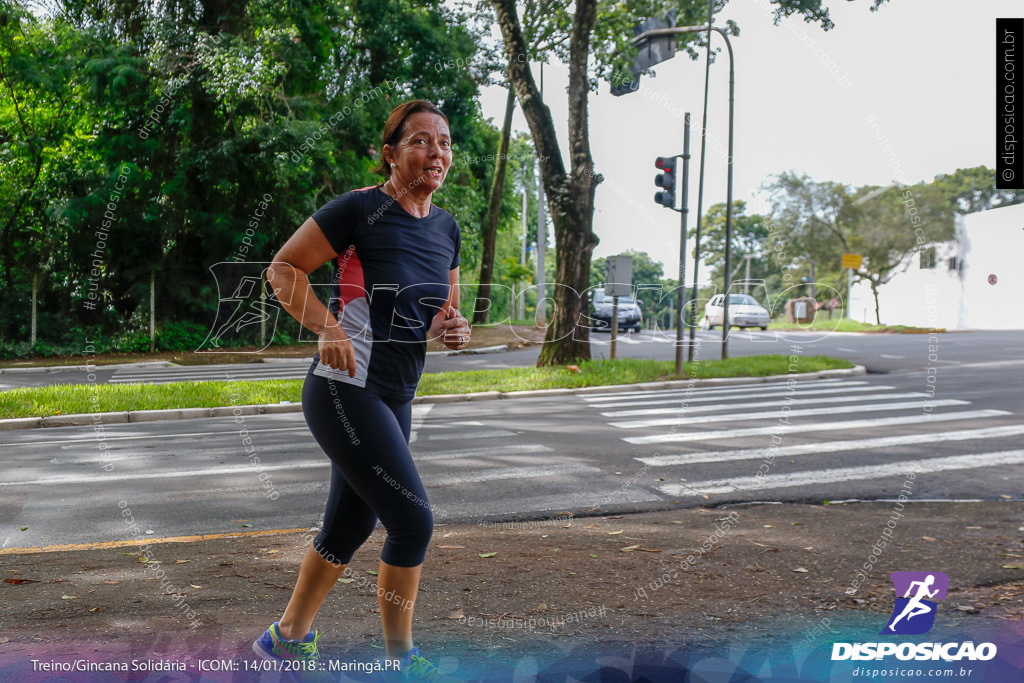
(667, 181)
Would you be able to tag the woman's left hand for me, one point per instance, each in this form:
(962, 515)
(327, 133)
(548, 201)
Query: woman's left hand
(451, 329)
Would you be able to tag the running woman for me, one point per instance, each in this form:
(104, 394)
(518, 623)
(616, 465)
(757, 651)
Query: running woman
(395, 284)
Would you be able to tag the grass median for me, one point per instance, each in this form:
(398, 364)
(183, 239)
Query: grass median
(65, 399)
(837, 324)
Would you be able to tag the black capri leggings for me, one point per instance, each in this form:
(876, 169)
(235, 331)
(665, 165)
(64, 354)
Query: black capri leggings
(373, 476)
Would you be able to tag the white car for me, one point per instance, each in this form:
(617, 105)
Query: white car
(744, 312)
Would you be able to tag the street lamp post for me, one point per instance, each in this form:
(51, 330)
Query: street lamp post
(653, 33)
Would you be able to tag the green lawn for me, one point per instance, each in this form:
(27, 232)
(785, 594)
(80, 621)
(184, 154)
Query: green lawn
(838, 324)
(87, 398)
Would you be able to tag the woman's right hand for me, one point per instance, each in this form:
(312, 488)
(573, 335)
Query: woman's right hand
(336, 350)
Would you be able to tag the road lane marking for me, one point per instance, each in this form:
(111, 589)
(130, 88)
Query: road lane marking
(241, 469)
(104, 545)
(815, 427)
(907, 405)
(886, 355)
(509, 473)
(845, 474)
(761, 404)
(91, 438)
(781, 391)
(510, 449)
(732, 389)
(832, 446)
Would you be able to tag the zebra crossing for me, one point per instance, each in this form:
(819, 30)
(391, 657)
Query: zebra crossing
(717, 451)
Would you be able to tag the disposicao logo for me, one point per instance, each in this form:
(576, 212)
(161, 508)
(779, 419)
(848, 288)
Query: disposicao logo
(917, 599)
(914, 612)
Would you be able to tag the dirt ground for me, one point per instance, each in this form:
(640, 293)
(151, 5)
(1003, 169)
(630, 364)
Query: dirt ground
(507, 591)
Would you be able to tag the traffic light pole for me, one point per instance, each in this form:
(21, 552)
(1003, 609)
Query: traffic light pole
(653, 33)
(685, 207)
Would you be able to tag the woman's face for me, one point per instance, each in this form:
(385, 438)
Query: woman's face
(422, 156)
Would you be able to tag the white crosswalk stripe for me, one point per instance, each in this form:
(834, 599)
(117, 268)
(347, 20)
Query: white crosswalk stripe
(779, 392)
(832, 446)
(760, 404)
(818, 478)
(775, 414)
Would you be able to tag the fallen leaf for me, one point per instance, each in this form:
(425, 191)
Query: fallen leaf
(142, 559)
(629, 548)
(345, 580)
(4, 640)
(457, 614)
(371, 572)
(247, 525)
(543, 606)
(593, 555)
(451, 547)
(486, 555)
(111, 583)
(974, 527)
(768, 526)
(620, 517)
(797, 523)
(448, 534)
(24, 528)
(272, 552)
(1008, 555)
(810, 547)
(68, 597)
(19, 581)
(150, 531)
(614, 533)
(965, 608)
(928, 538)
(195, 586)
(674, 521)
(184, 561)
(649, 550)
(1011, 566)
(801, 570)
(1006, 497)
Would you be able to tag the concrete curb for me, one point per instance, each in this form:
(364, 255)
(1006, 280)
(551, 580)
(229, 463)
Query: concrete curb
(131, 416)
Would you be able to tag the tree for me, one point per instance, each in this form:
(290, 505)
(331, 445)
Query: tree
(974, 189)
(894, 225)
(606, 31)
(490, 236)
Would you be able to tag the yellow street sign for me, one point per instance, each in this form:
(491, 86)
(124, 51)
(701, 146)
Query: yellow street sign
(852, 261)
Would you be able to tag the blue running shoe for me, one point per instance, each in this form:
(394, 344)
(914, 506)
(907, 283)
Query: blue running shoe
(415, 667)
(272, 647)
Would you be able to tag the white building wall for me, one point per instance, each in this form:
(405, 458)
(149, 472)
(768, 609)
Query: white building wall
(993, 245)
(922, 297)
(988, 243)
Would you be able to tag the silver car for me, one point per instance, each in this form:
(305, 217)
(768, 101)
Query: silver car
(744, 312)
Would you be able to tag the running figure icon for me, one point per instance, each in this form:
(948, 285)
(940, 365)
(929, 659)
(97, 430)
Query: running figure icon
(917, 594)
(915, 607)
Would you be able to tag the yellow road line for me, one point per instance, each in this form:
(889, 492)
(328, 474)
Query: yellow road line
(140, 541)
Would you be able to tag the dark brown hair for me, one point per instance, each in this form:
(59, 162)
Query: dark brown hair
(394, 128)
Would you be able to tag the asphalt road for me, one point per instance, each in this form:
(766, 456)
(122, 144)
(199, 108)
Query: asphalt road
(879, 353)
(850, 438)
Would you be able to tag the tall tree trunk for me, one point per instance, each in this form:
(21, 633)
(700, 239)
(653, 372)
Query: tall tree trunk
(570, 195)
(483, 294)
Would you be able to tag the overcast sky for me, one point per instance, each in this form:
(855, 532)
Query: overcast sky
(924, 68)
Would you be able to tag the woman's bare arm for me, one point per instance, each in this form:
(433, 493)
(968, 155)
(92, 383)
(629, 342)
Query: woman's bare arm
(305, 251)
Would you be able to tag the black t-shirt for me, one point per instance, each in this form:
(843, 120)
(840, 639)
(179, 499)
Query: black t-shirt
(388, 281)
